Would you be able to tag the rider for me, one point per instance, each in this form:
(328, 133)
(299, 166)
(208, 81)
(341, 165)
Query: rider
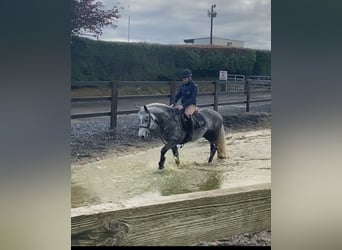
(188, 94)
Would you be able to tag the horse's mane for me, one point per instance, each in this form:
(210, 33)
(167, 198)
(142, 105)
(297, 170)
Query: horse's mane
(158, 106)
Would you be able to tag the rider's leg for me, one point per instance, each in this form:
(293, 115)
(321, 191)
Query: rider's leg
(188, 113)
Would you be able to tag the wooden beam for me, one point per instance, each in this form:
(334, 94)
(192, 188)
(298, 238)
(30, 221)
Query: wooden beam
(182, 219)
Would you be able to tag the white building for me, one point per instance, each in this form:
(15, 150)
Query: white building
(216, 41)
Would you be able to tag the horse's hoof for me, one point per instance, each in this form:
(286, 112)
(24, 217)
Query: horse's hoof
(177, 162)
(161, 167)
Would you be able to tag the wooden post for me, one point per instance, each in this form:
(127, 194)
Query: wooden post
(175, 220)
(172, 91)
(215, 96)
(247, 92)
(114, 104)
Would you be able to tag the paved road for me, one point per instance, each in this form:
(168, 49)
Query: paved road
(130, 104)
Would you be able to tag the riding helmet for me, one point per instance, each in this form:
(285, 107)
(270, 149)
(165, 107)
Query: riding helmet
(185, 73)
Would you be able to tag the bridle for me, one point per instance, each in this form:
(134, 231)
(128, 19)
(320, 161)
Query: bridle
(150, 118)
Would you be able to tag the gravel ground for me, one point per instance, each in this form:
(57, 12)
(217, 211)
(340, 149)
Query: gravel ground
(262, 238)
(91, 140)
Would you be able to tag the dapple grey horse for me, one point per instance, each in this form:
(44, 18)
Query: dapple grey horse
(169, 121)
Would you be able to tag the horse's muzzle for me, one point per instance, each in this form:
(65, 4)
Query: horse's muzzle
(143, 133)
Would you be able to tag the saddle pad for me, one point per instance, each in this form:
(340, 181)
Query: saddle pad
(199, 120)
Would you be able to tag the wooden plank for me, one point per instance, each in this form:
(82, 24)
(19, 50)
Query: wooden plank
(128, 111)
(215, 96)
(248, 95)
(232, 103)
(114, 105)
(261, 100)
(90, 83)
(126, 83)
(91, 99)
(88, 115)
(182, 219)
(125, 97)
(172, 91)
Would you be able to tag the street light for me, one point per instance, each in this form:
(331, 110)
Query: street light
(129, 24)
(212, 14)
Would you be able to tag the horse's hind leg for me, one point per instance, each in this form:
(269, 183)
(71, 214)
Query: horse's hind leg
(213, 149)
(175, 154)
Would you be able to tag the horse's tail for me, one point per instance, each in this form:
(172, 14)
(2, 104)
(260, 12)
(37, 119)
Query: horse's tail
(221, 144)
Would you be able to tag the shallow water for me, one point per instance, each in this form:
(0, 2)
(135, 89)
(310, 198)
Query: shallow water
(135, 176)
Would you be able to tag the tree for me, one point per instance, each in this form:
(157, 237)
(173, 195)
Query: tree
(88, 17)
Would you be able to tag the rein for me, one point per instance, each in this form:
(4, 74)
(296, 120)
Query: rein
(150, 118)
(175, 112)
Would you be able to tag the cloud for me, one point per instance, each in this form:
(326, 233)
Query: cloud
(172, 21)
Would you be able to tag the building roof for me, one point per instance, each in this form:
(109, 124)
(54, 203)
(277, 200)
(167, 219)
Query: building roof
(191, 40)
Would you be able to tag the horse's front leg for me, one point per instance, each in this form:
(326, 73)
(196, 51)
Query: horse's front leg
(175, 154)
(162, 155)
(213, 149)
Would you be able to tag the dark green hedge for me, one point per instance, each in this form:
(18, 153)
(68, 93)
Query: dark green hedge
(100, 60)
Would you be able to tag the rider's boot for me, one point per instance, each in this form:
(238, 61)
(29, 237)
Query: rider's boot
(190, 127)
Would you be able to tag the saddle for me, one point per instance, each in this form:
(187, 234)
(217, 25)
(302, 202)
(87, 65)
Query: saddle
(198, 121)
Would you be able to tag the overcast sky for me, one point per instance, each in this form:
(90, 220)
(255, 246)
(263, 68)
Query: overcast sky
(172, 21)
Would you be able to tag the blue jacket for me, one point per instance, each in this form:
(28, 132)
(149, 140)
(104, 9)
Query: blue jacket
(188, 94)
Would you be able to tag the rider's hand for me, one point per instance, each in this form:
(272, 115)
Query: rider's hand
(180, 107)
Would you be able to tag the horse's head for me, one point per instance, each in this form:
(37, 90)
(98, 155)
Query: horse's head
(147, 121)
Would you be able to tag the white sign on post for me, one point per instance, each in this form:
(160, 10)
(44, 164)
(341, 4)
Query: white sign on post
(223, 75)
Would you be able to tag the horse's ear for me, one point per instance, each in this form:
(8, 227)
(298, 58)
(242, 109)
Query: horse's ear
(146, 110)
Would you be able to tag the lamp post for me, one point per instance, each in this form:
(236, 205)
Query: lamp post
(212, 14)
(129, 24)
